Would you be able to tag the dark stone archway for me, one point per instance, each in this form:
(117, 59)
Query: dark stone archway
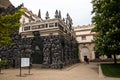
(37, 48)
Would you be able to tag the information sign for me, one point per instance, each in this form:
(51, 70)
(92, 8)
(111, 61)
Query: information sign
(25, 62)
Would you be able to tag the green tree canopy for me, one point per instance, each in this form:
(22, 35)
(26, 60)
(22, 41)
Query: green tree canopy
(107, 21)
(9, 24)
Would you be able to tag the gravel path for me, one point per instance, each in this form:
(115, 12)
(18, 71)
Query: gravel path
(78, 71)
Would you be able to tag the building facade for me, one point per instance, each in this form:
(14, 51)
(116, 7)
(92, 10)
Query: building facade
(53, 41)
(84, 37)
(28, 16)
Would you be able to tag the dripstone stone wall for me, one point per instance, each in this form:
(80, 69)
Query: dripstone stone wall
(52, 51)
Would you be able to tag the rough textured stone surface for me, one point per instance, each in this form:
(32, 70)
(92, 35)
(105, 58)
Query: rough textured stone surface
(52, 51)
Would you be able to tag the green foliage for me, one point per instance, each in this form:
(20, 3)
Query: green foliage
(3, 63)
(76, 52)
(111, 70)
(107, 22)
(9, 24)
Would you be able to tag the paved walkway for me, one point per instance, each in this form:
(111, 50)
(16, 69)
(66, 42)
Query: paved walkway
(79, 71)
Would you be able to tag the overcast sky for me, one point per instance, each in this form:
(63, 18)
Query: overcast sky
(79, 10)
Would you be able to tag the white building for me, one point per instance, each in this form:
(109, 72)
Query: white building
(84, 36)
(28, 16)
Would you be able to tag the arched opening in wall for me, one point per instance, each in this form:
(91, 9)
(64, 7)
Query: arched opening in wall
(84, 53)
(37, 48)
(37, 55)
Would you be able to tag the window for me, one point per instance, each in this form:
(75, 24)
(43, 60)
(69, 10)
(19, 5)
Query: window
(36, 27)
(56, 24)
(42, 26)
(51, 25)
(26, 28)
(83, 37)
(46, 25)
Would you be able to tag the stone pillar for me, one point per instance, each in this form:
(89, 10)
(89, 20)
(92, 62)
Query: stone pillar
(52, 50)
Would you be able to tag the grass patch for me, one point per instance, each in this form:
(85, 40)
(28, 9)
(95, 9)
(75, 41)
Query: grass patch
(111, 70)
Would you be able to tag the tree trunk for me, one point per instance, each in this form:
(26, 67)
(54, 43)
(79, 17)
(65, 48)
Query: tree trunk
(115, 60)
(0, 70)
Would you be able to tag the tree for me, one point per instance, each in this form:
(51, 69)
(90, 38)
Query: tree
(2, 63)
(107, 21)
(9, 24)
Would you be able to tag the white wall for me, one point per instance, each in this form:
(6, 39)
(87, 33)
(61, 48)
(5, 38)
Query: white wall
(24, 18)
(88, 39)
(83, 32)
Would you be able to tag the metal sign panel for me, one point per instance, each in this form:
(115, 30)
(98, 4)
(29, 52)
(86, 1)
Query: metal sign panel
(25, 62)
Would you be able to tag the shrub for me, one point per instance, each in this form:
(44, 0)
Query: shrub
(3, 63)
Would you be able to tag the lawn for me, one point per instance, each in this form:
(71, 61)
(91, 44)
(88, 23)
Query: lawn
(111, 70)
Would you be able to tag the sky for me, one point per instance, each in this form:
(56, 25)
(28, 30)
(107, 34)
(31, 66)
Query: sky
(79, 10)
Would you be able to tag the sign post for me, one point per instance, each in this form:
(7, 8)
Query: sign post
(24, 62)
